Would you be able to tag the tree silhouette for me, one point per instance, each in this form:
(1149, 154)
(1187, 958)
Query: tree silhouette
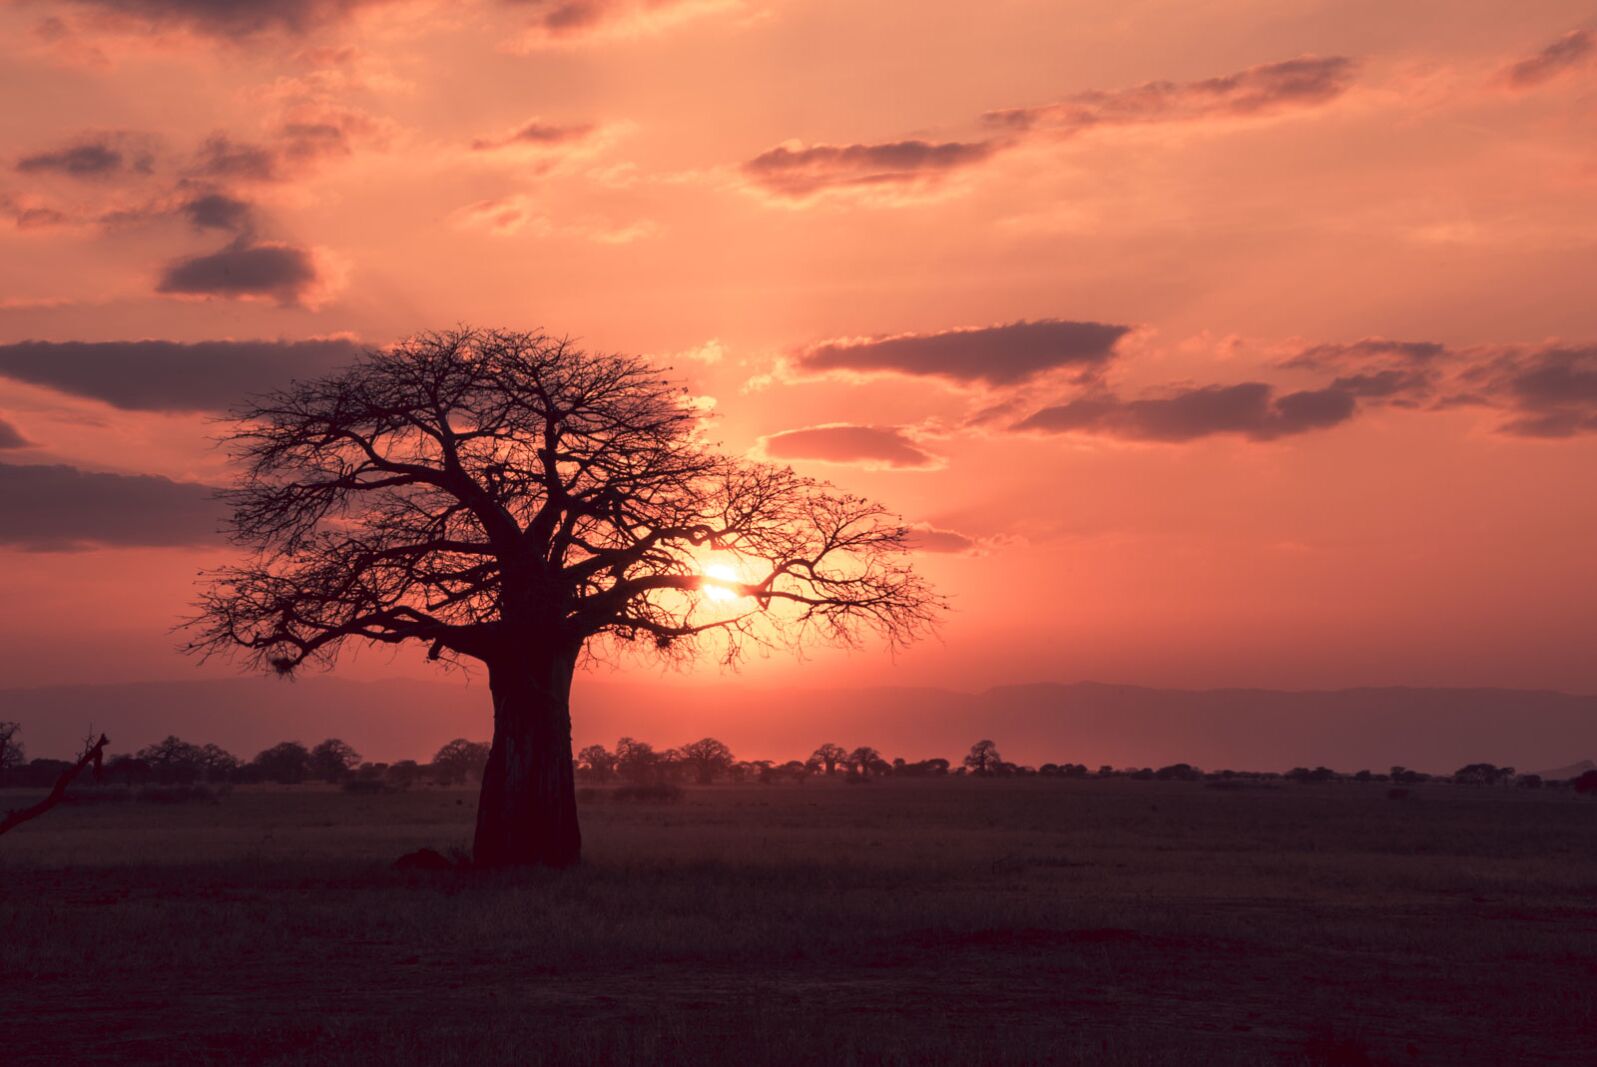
(862, 759)
(511, 499)
(286, 763)
(460, 759)
(829, 756)
(332, 760)
(11, 750)
(599, 761)
(984, 758)
(708, 758)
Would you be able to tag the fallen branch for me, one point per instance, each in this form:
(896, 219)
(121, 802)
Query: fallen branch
(92, 754)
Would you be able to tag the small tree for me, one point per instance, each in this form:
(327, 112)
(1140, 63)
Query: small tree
(829, 756)
(12, 753)
(332, 760)
(707, 758)
(509, 499)
(984, 759)
(285, 763)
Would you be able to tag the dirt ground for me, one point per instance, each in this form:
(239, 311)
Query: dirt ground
(900, 922)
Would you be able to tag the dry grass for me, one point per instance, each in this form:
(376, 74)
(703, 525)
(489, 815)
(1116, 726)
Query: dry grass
(957, 921)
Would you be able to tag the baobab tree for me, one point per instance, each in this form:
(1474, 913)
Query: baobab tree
(513, 500)
(829, 756)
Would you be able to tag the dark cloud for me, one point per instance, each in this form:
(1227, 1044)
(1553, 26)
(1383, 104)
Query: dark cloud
(990, 355)
(801, 172)
(1250, 409)
(222, 158)
(1551, 392)
(878, 446)
(281, 272)
(1320, 357)
(171, 375)
(537, 134)
(98, 157)
(576, 18)
(60, 508)
(1396, 372)
(1307, 81)
(218, 211)
(11, 437)
(1577, 48)
(237, 19)
(34, 218)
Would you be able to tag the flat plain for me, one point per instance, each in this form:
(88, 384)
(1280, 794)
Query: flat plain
(954, 921)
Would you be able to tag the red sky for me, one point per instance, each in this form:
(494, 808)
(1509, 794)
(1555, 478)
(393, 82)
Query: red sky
(1240, 343)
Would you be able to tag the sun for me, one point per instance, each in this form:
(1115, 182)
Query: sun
(719, 573)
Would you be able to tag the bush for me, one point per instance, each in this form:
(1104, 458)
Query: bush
(98, 795)
(367, 786)
(1397, 794)
(178, 794)
(661, 793)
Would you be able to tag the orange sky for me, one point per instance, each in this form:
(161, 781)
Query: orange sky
(1243, 343)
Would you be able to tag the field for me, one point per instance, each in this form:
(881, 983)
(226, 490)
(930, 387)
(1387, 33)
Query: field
(902, 922)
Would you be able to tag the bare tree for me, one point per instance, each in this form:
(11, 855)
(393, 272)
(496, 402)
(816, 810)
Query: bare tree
(510, 499)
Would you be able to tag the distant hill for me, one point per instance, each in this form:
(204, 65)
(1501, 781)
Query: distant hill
(1086, 722)
(1562, 774)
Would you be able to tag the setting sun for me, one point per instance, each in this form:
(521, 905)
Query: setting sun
(721, 575)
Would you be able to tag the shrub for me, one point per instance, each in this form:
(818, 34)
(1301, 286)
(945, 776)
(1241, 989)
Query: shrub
(177, 794)
(658, 793)
(1397, 794)
(367, 786)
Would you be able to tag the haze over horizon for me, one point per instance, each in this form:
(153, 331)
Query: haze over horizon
(1219, 347)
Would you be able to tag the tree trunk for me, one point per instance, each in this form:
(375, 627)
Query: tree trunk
(527, 815)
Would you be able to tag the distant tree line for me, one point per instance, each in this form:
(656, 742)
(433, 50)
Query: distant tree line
(174, 761)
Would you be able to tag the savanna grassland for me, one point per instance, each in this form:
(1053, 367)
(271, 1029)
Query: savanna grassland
(960, 921)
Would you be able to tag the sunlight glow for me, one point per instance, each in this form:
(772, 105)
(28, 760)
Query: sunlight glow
(720, 572)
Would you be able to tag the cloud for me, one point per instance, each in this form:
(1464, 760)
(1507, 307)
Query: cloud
(171, 375)
(96, 157)
(243, 270)
(1575, 49)
(1250, 409)
(536, 134)
(509, 215)
(1304, 82)
(235, 19)
(218, 211)
(59, 508)
(11, 437)
(1549, 393)
(924, 537)
(558, 21)
(796, 171)
(867, 446)
(1399, 372)
(987, 355)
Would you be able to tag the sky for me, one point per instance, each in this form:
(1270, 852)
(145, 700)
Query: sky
(1235, 343)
